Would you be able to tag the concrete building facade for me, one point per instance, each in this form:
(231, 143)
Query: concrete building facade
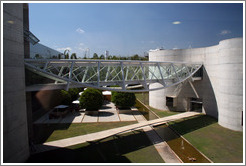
(220, 90)
(15, 130)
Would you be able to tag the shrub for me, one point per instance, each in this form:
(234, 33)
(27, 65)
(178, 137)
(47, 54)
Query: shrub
(91, 99)
(66, 97)
(123, 100)
(74, 92)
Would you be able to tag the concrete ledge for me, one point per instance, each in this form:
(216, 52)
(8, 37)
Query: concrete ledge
(124, 111)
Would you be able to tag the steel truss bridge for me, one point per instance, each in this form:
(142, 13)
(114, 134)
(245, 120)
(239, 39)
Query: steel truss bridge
(107, 74)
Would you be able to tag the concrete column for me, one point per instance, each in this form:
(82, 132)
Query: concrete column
(15, 133)
(230, 84)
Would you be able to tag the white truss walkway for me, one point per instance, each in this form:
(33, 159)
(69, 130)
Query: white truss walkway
(103, 74)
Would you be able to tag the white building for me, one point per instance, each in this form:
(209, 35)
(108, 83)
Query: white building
(220, 91)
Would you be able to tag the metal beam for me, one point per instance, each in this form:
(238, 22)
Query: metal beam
(70, 75)
(123, 78)
(145, 84)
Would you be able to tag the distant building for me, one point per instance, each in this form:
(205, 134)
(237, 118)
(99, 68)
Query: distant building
(41, 51)
(106, 54)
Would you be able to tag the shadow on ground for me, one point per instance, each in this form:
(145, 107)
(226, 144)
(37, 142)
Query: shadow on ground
(108, 150)
(104, 114)
(43, 131)
(190, 124)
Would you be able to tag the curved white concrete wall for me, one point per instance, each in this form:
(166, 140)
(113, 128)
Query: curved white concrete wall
(221, 88)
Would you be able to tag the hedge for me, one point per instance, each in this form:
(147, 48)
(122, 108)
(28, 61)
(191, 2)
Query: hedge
(123, 100)
(91, 99)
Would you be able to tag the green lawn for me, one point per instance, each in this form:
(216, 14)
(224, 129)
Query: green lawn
(162, 113)
(52, 132)
(143, 97)
(127, 148)
(219, 144)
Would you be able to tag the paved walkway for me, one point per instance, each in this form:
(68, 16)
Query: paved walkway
(107, 133)
(161, 146)
(107, 113)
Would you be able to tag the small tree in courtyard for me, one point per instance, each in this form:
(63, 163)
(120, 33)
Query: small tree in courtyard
(91, 99)
(66, 97)
(123, 100)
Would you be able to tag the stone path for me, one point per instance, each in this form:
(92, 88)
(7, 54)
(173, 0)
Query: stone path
(161, 146)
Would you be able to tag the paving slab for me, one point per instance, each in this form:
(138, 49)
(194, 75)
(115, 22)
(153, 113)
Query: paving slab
(90, 119)
(108, 116)
(57, 120)
(68, 118)
(127, 117)
(161, 146)
(138, 116)
(78, 117)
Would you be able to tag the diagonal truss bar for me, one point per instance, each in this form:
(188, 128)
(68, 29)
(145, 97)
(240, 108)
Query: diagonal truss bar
(102, 74)
(70, 75)
(162, 78)
(123, 78)
(143, 73)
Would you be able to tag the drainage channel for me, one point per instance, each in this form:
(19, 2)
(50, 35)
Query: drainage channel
(186, 152)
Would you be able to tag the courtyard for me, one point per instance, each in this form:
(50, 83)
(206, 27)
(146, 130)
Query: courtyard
(107, 113)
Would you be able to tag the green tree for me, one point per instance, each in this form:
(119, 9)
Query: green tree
(91, 99)
(60, 56)
(37, 56)
(135, 57)
(115, 57)
(102, 57)
(54, 57)
(66, 97)
(123, 100)
(73, 56)
(95, 56)
(66, 53)
(74, 93)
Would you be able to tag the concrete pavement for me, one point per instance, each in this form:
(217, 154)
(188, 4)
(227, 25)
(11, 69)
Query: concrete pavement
(107, 113)
(107, 133)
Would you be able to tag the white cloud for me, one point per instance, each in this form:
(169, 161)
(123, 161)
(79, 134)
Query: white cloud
(176, 22)
(80, 48)
(175, 48)
(80, 31)
(225, 32)
(63, 49)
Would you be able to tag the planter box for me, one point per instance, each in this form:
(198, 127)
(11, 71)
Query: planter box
(93, 113)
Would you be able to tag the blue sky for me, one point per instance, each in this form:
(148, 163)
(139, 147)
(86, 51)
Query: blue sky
(125, 29)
